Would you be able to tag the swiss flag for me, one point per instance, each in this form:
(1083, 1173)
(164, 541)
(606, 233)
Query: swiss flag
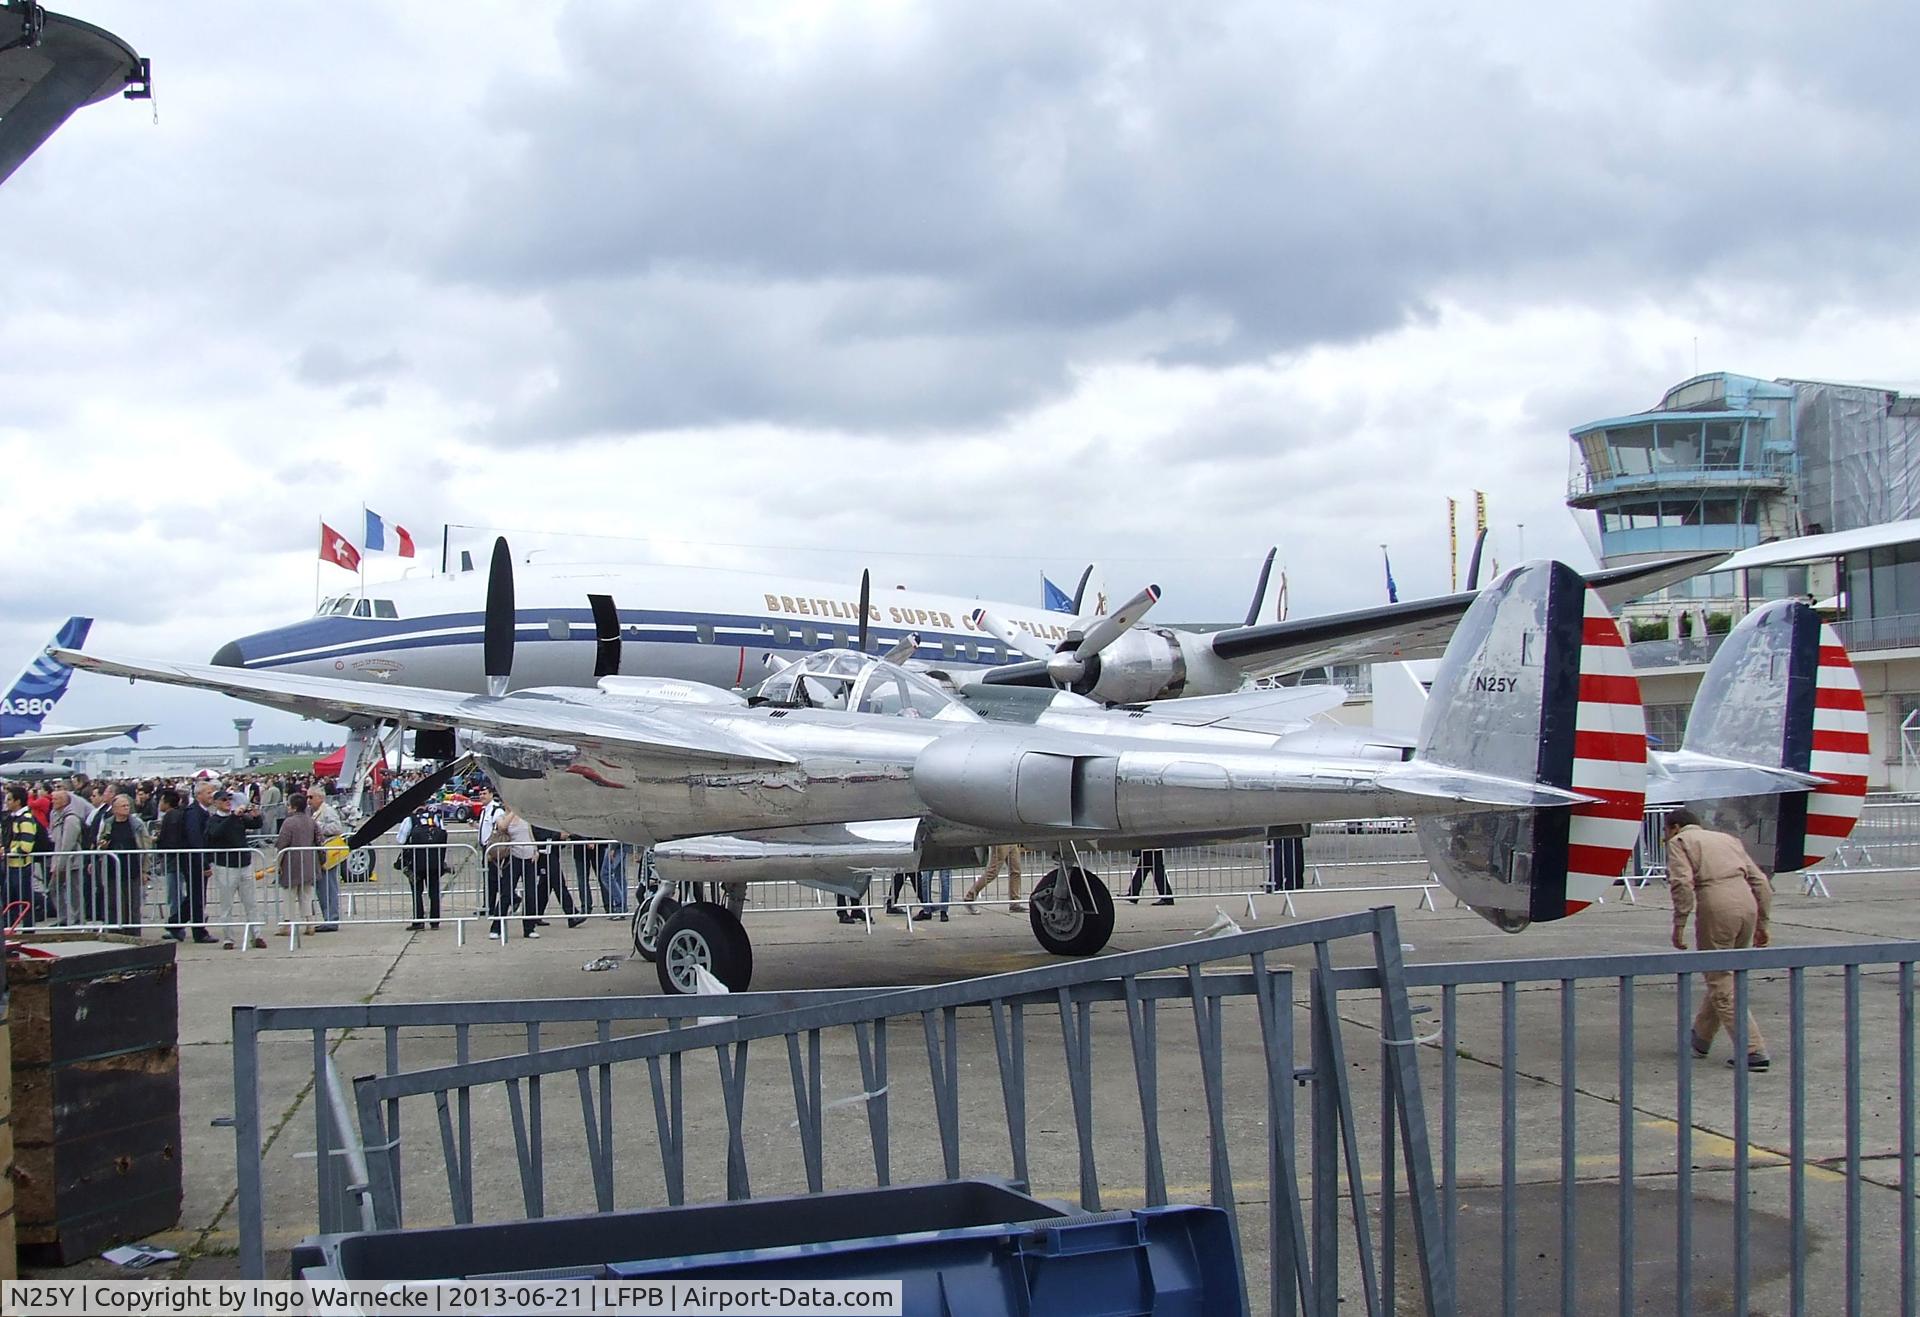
(335, 548)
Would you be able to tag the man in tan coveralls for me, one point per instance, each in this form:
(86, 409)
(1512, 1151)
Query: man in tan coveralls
(1735, 900)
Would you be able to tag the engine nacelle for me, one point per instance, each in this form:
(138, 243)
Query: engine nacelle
(1154, 663)
(1012, 789)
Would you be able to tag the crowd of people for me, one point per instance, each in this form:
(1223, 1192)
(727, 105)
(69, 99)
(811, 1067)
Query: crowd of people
(81, 852)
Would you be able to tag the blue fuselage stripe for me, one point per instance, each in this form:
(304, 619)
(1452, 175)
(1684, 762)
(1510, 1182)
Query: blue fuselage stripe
(321, 639)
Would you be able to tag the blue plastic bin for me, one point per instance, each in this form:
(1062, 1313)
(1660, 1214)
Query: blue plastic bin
(967, 1246)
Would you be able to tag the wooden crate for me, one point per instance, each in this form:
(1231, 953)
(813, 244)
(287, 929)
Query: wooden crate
(96, 1096)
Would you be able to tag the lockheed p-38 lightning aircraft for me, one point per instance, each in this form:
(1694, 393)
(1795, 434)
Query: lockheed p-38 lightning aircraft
(1528, 773)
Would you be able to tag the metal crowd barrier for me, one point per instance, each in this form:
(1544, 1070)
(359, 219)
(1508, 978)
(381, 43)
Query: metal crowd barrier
(104, 890)
(1716, 1129)
(826, 1032)
(1640, 1145)
(1352, 857)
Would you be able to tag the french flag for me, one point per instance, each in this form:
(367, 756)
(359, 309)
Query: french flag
(376, 537)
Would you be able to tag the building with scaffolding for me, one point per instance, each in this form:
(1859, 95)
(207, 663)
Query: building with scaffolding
(1812, 487)
(1727, 461)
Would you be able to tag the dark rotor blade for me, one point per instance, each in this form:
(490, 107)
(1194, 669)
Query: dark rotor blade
(1473, 566)
(497, 644)
(404, 803)
(1080, 590)
(1260, 587)
(606, 635)
(866, 598)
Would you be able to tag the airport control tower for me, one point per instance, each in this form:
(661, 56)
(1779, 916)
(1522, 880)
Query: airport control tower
(51, 66)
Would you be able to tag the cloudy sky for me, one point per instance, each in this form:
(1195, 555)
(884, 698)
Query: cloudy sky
(963, 292)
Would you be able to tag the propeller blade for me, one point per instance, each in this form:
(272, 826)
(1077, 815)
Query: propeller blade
(902, 649)
(1012, 637)
(497, 643)
(1260, 589)
(1473, 567)
(606, 635)
(1080, 590)
(406, 802)
(1103, 631)
(866, 601)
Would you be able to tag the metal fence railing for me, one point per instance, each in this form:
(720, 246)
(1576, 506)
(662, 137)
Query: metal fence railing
(1732, 1144)
(711, 1135)
(390, 884)
(1585, 1159)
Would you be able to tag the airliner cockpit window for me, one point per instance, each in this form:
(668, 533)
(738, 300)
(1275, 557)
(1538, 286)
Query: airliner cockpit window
(385, 608)
(362, 608)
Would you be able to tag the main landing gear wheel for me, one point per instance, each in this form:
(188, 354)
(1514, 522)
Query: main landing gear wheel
(648, 923)
(359, 867)
(706, 936)
(1075, 919)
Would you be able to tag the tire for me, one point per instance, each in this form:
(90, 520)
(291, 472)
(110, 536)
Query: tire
(359, 867)
(646, 933)
(705, 935)
(1081, 927)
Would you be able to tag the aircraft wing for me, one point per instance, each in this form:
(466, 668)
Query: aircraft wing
(672, 732)
(1415, 630)
(56, 738)
(1280, 708)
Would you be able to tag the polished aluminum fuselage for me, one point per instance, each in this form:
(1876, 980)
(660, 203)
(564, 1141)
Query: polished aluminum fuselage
(970, 781)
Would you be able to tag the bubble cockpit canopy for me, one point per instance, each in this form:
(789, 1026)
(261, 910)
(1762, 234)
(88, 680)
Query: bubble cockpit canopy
(845, 680)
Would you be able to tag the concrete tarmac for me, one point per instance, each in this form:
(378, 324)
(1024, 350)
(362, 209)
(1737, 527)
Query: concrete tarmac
(797, 951)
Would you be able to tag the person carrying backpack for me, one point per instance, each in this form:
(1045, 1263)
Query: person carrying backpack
(423, 856)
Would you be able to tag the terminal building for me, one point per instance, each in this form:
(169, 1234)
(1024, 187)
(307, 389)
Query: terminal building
(1814, 487)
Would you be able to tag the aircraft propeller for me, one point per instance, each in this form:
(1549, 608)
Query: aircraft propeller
(1473, 567)
(1260, 587)
(1080, 590)
(407, 801)
(1071, 663)
(497, 640)
(606, 635)
(866, 602)
(1012, 637)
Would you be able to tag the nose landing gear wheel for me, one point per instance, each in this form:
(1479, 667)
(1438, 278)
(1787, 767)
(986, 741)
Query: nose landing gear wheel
(706, 936)
(647, 926)
(1074, 919)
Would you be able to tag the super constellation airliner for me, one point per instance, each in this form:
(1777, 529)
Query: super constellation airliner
(576, 624)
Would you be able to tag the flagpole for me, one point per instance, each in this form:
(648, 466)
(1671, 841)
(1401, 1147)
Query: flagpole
(316, 567)
(363, 550)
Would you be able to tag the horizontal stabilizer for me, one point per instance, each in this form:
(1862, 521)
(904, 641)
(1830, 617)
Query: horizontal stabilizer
(1679, 776)
(1444, 783)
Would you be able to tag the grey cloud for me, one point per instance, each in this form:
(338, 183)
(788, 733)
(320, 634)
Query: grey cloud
(916, 203)
(677, 350)
(327, 365)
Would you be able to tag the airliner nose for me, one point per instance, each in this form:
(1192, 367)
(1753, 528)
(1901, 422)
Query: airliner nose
(228, 656)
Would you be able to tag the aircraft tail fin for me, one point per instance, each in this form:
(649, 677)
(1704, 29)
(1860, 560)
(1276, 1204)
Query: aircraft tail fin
(1781, 693)
(1536, 687)
(41, 683)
